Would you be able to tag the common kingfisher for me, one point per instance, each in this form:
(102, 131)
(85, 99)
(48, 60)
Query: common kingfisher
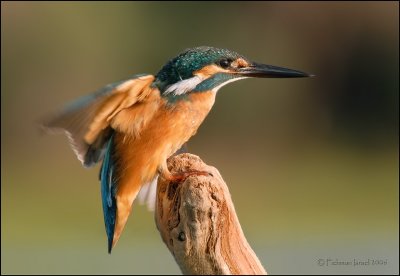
(134, 125)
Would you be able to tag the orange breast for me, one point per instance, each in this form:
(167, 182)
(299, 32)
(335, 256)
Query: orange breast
(139, 157)
(170, 127)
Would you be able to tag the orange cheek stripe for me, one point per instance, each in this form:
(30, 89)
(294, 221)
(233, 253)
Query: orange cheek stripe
(213, 69)
(210, 70)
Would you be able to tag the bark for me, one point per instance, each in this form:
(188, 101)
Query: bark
(198, 223)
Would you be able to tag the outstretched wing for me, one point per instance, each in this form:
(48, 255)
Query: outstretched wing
(89, 121)
(91, 124)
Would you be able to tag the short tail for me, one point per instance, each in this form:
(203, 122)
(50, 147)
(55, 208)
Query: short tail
(120, 184)
(108, 191)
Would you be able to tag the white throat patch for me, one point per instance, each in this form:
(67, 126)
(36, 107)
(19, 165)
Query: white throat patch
(183, 86)
(215, 89)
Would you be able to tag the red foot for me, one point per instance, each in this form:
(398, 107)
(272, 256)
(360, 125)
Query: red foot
(180, 177)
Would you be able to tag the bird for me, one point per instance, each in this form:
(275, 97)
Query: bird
(133, 126)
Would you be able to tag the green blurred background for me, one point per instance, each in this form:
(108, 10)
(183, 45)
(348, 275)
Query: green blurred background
(312, 164)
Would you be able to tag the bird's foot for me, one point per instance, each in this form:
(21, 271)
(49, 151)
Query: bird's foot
(180, 177)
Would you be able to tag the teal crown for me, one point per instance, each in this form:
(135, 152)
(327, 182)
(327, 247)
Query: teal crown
(189, 61)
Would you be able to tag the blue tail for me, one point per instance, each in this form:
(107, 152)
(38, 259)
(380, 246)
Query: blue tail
(108, 191)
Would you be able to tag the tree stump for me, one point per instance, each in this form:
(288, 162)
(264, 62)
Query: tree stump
(198, 223)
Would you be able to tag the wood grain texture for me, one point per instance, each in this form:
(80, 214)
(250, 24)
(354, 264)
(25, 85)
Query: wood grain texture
(198, 223)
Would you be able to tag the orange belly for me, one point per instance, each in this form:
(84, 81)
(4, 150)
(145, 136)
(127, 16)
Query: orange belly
(140, 157)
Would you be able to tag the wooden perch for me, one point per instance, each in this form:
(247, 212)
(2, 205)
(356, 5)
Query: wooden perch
(198, 223)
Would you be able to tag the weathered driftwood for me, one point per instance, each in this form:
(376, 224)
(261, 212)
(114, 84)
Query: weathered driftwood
(198, 223)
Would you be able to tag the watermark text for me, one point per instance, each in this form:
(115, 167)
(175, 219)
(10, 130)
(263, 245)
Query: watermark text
(354, 262)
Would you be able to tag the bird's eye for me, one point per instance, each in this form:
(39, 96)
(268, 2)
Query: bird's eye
(225, 63)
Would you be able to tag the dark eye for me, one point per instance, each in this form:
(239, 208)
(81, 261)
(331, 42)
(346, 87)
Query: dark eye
(225, 63)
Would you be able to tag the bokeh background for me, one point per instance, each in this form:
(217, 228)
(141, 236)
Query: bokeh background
(312, 164)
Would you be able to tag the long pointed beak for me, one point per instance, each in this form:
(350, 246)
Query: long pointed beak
(258, 70)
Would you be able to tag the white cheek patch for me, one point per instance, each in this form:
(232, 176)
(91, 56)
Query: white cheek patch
(183, 86)
(215, 89)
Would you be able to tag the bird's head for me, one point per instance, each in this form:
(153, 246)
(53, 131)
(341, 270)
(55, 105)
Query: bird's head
(207, 68)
